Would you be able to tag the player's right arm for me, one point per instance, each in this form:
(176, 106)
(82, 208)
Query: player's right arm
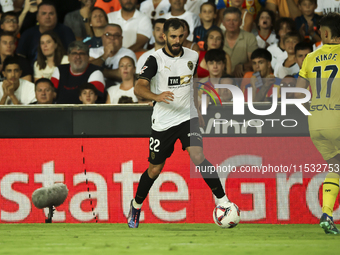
(142, 88)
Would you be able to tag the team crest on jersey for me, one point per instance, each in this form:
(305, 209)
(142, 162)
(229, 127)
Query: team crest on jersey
(142, 71)
(152, 155)
(190, 65)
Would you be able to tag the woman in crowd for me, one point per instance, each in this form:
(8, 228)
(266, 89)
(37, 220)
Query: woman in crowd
(213, 40)
(127, 70)
(50, 54)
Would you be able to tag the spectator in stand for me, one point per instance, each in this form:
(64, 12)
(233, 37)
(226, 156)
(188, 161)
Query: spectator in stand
(108, 5)
(265, 21)
(155, 9)
(216, 64)
(51, 53)
(88, 94)
(44, 91)
(136, 26)
(13, 89)
(307, 23)
(301, 51)
(78, 20)
(282, 27)
(47, 18)
(159, 43)
(7, 48)
(214, 39)
(186, 43)
(127, 71)
(67, 78)
(28, 16)
(288, 66)
(178, 11)
(238, 44)
(98, 21)
(246, 17)
(327, 6)
(207, 15)
(284, 8)
(9, 22)
(111, 52)
(262, 79)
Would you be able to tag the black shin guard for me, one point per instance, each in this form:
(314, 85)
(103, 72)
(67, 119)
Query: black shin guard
(212, 179)
(145, 184)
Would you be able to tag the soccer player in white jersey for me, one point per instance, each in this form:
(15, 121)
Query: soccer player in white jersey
(167, 79)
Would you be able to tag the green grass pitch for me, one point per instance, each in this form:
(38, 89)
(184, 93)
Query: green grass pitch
(92, 238)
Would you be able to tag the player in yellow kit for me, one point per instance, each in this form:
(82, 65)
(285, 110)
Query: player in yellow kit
(320, 69)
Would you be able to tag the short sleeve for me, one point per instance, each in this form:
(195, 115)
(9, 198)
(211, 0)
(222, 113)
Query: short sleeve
(303, 71)
(149, 69)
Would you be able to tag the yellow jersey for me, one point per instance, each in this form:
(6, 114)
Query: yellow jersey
(321, 69)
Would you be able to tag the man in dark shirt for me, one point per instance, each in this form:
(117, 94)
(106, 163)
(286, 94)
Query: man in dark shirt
(67, 78)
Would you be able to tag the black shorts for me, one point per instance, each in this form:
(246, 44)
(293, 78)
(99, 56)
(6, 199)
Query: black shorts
(162, 143)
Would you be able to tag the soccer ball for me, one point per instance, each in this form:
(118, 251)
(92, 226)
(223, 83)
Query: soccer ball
(226, 215)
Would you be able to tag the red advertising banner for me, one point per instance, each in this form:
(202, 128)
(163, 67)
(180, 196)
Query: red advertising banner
(108, 171)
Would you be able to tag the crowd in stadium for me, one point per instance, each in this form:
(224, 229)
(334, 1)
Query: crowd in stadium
(91, 51)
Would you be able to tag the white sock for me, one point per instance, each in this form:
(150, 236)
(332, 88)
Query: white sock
(135, 205)
(223, 200)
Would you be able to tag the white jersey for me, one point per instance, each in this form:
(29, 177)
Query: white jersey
(173, 74)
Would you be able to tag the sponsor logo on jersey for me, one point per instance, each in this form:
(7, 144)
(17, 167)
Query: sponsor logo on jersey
(168, 68)
(179, 80)
(323, 107)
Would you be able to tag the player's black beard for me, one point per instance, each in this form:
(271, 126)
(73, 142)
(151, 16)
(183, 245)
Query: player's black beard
(174, 52)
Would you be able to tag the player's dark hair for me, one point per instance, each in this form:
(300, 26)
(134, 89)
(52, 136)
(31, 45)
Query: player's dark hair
(186, 24)
(312, 1)
(261, 53)
(279, 23)
(232, 10)
(271, 15)
(292, 34)
(99, 9)
(160, 21)
(332, 21)
(6, 14)
(44, 80)
(173, 23)
(208, 3)
(303, 46)
(10, 60)
(207, 36)
(87, 86)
